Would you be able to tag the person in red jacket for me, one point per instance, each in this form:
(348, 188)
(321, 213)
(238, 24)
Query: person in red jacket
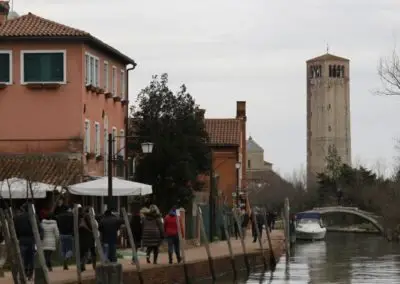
(171, 232)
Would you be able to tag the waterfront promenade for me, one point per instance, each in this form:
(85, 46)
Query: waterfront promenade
(162, 271)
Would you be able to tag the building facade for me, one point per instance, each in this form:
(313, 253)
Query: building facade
(227, 138)
(328, 112)
(255, 157)
(61, 91)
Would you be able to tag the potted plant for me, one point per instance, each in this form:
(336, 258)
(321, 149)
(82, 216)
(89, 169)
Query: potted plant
(99, 158)
(90, 156)
(108, 95)
(116, 99)
(3, 86)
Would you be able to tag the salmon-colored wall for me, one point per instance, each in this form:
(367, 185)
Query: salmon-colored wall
(58, 113)
(96, 104)
(42, 114)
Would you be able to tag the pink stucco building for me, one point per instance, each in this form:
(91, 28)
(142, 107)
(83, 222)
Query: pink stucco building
(62, 91)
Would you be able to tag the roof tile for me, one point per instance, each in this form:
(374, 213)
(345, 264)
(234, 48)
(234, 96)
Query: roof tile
(52, 169)
(30, 25)
(223, 131)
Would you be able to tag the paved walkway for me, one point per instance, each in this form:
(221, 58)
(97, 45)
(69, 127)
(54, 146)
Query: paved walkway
(218, 249)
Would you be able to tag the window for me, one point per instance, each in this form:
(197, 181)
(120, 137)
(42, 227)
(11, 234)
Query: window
(115, 141)
(87, 136)
(43, 67)
(5, 67)
(329, 128)
(249, 164)
(122, 82)
(92, 72)
(114, 81)
(97, 139)
(122, 142)
(105, 127)
(106, 76)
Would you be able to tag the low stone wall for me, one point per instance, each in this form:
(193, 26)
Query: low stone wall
(167, 274)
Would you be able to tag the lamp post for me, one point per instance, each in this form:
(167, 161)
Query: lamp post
(147, 148)
(238, 165)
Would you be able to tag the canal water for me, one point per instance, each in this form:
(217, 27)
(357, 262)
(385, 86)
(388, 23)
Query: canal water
(341, 258)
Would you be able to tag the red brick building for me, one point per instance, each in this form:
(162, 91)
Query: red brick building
(228, 145)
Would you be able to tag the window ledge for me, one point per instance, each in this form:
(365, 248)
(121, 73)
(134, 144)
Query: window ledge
(90, 155)
(124, 102)
(3, 85)
(117, 99)
(43, 85)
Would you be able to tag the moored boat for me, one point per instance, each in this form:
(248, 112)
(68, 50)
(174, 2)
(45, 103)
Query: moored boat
(309, 226)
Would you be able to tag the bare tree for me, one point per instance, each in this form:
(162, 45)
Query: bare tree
(389, 73)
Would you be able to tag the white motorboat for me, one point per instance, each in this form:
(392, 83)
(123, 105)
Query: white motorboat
(309, 226)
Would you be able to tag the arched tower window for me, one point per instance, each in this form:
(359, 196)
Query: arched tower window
(330, 70)
(334, 71)
(342, 71)
(338, 71)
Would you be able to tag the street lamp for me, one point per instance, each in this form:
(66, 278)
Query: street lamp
(238, 165)
(147, 148)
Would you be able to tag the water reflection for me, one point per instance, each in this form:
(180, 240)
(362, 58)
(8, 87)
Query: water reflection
(341, 258)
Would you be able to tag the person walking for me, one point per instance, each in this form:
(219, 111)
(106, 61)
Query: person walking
(153, 232)
(65, 223)
(109, 226)
(245, 223)
(171, 233)
(257, 222)
(51, 236)
(24, 232)
(86, 240)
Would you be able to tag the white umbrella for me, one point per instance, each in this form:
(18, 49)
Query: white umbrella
(18, 188)
(121, 187)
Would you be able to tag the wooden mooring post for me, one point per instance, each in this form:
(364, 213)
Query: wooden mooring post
(133, 245)
(287, 226)
(206, 243)
(75, 213)
(271, 251)
(41, 273)
(241, 235)
(228, 240)
(182, 246)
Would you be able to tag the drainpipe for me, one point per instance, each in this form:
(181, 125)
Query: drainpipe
(127, 119)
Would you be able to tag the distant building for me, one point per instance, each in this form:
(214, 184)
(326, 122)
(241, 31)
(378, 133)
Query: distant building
(328, 112)
(255, 157)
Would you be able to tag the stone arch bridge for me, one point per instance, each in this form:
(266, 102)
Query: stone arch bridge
(375, 220)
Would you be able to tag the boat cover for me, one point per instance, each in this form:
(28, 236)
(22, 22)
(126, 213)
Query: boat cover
(308, 215)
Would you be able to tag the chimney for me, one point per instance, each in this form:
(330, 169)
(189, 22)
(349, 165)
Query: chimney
(241, 109)
(4, 9)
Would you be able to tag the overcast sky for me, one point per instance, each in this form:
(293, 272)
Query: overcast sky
(254, 50)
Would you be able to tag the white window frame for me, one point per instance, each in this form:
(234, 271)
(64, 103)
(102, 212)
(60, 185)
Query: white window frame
(23, 52)
(114, 81)
(122, 142)
(106, 70)
(9, 52)
(97, 137)
(115, 141)
(87, 136)
(92, 76)
(122, 83)
(105, 128)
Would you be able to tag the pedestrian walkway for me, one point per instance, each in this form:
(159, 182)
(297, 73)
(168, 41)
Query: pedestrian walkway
(218, 249)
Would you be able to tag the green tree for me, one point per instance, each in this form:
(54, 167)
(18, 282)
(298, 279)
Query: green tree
(175, 124)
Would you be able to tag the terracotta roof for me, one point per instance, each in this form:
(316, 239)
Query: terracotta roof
(223, 131)
(327, 57)
(31, 26)
(51, 169)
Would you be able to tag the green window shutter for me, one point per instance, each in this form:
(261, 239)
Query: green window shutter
(44, 67)
(4, 67)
